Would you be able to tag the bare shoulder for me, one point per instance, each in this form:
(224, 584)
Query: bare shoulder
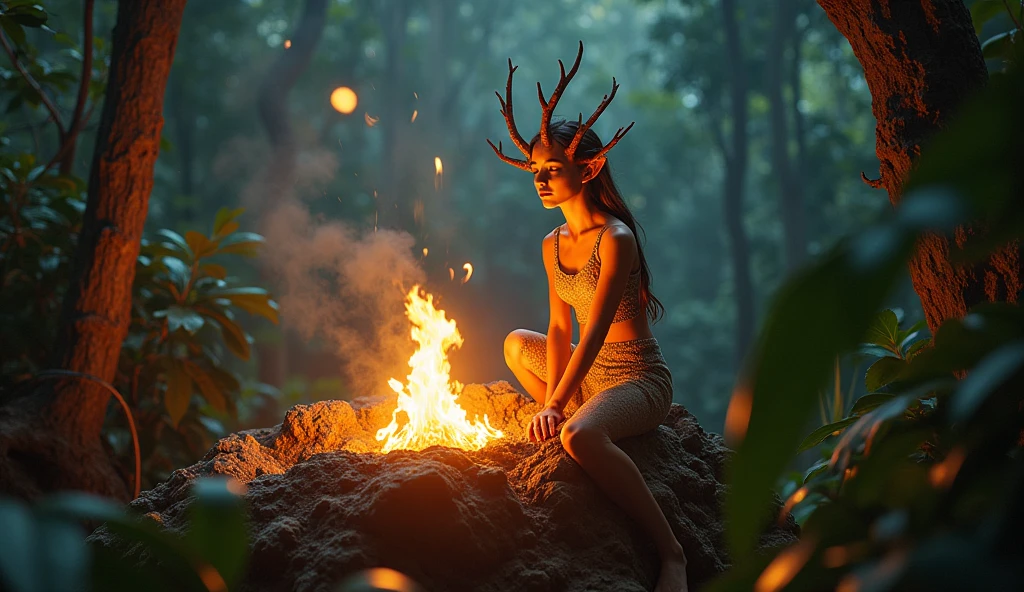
(548, 244)
(618, 244)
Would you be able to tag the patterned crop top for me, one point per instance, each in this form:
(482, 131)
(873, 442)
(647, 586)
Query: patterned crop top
(577, 289)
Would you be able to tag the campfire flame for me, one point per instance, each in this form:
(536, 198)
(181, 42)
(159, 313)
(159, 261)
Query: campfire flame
(429, 397)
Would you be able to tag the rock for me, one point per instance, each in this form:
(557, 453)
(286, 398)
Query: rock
(516, 515)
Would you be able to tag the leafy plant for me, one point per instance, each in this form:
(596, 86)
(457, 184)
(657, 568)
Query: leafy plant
(40, 216)
(47, 549)
(184, 325)
(923, 487)
(1004, 45)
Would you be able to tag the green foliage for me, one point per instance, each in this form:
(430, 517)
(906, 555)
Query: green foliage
(928, 468)
(46, 549)
(40, 217)
(45, 546)
(184, 324)
(1006, 45)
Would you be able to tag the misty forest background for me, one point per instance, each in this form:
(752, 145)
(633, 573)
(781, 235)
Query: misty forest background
(711, 201)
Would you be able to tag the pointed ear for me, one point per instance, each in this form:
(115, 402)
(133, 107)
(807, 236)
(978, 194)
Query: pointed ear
(592, 168)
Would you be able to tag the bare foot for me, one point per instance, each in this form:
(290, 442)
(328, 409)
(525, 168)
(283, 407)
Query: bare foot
(673, 576)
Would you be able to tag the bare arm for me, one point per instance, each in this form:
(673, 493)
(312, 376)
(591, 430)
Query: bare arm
(559, 323)
(618, 254)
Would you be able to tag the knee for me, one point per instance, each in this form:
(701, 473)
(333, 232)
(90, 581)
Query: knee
(579, 439)
(513, 348)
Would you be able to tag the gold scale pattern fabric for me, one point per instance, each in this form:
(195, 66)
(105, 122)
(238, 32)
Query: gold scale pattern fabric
(577, 289)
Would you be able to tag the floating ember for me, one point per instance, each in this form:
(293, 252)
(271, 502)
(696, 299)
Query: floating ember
(429, 397)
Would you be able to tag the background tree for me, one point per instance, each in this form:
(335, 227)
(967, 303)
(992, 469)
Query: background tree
(51, 439)
(921, 60)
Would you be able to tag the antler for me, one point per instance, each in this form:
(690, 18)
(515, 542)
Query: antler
(510, 122)
(570, 151)
(549, 105)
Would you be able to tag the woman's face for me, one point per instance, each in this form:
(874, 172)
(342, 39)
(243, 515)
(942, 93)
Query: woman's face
(555, 178)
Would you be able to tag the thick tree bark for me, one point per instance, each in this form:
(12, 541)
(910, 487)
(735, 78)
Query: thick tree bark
(922, 59)
(791, 206)
(736, 157)
(51, 439)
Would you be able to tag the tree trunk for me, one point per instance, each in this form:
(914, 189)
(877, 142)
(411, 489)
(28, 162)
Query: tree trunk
(272, 101)
(922, 59)
(51, 439)
(184, 133)
(392, 208)
(735, 150)
(790, 190)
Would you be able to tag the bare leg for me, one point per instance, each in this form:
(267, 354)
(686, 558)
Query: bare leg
(616, 474)
(534, 384)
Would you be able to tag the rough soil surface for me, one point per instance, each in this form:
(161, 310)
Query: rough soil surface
(513, 516)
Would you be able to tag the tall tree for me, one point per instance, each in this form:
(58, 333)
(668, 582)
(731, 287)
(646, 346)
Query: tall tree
(393, 210)
(789, 185)
(735, 150)
(272, 102)
(50, 439)
(921, 59)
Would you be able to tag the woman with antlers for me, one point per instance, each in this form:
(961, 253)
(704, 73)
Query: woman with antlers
(614, 383)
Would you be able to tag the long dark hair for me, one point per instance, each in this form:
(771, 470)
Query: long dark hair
(602, 191)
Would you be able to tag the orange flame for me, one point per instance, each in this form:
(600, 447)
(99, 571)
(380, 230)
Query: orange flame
(429, 396)
(438, 172)
(469, 272)
(414, 114)
(785, 565)
(287, 43)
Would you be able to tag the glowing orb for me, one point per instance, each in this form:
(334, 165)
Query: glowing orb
(344, 100)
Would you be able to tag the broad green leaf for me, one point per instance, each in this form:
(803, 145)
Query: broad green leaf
(214, 270)
(882, 372)
(983, 11)
(207, 386)
(62, 553)
(993, 370)
(252, 300)
(818, 436)
(178, 395)
(227, 229)
(217, 526)
(165, 547)
(180, 272)
(200, 245)
(869, 402)
(17, 563)
(235, 338)
(177, 241)
(226, 381)
(843, 290)
(13, 30)
(999, 46)
(815, 470)
(179, 317)
(241, 243)
(28, 15)
(225, 215)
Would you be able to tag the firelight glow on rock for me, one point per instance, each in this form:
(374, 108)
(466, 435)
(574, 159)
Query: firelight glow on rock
(430, 398)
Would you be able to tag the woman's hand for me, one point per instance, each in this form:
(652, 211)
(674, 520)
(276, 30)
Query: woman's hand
(544, 424)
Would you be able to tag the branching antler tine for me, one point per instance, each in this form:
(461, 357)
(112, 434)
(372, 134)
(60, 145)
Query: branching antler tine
(521, 164)
(615, 140)
(506, 112)
(549, 105)
(580, 131)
